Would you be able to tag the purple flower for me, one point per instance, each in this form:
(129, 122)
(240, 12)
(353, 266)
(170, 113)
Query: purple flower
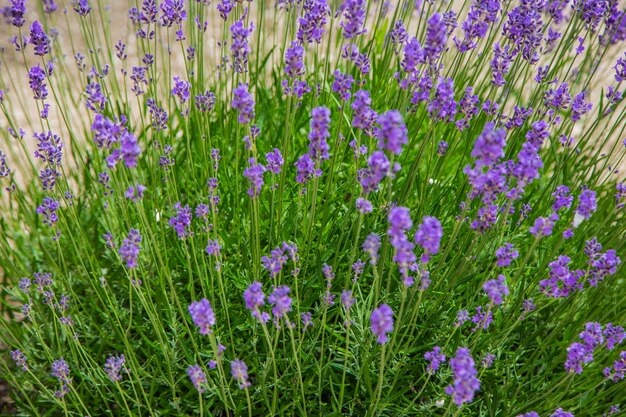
(442, 106)
(306, 320)
(400, 222)
(294, 60)
(181, 221)
(363, 117)
(274, 263)
(488, 360)
(4, 168)
(371, 246)
(129, 250)
(202, 315)
(378, 168)
(255, 299)
(48, 209)
(461, 317)
(37, 82)
(172, 12)
(342, 85)
(239, 47)
(436, 36)
(281, 301)
(506, 254)
(496, 289)
(320, 124)
(82, 7)
(560, 413)
(305, 167)
(363, 205)
(197, 376)
(543, 226)
(614, 335)
(20, 359)
(428, 236)
(482, 319)
(225, 7)
(392, 133)
(524, 29)
(113, 366)
(130, 149)
(501, 63)
(618, 371)
(414, 54)
(489, 146)
(381, 322)
(580, 106)
(347, 300)
(557, 98)
(562, 198)
(529, 414)
(435, 357)
(181, 89)
(243, 102)
(39, 39)
(354, 18)
(16, 12)
(254, 173)
(586, 203)
(274, 161)
(61, 371)
(239, 371)
(465, 382)
(562, 281)
(311, 24)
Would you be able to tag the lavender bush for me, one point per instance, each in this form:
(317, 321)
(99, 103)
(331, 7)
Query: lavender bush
(313, 207)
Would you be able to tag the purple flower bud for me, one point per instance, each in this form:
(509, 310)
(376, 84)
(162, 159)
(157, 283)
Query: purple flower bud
(197, 376)
(202, 315)
(465, 382)
(381, 322)
(239, 371)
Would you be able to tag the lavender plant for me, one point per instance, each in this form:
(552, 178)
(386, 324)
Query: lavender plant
(313, 207)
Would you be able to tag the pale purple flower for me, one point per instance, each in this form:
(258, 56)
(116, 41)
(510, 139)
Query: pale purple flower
(197, 376)
(435, 358)
(496, 289)
(381, 323)
(281, 301)
(465, 382)
(202, 315)
(392, 134)
(506, 254)
(428, 236)
(113, 366)
(239, 371)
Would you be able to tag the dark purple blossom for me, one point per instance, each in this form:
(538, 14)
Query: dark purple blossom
(181, 221)
(39, 39)
(342, 85)
(580, 106)
(130, 149)
(577, 355)
(82, 7)
(586, 203)
(16, 12)
(482, 319)
(181, 89)
(224, 7)
(37, 82)
(48, 209)
(562, 282)
(543, 226)
(436, 36)
(294, 60)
